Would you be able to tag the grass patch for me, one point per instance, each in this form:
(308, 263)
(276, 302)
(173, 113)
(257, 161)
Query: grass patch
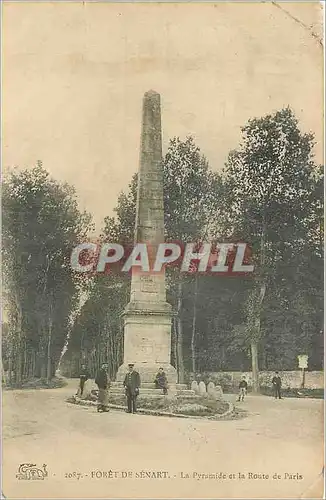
(195, 406)
(38, 383)
(295, 393)
(237, 414)
(285, 392)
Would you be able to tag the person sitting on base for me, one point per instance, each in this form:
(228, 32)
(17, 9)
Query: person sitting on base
(132, 384)
(161, 381)
(103, 383)
(243, 386)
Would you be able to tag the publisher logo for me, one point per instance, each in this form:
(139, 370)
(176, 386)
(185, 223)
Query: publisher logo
(30, 472)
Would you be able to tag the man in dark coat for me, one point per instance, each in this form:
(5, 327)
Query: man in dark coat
(277, 383)
(83, 377)
(103, 383)
(132, 384)
(161, 381)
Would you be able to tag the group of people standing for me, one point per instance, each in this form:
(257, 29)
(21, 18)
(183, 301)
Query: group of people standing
(131, 384)
(276, 383)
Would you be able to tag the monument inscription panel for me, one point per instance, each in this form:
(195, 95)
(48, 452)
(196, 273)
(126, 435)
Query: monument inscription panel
(147, 284)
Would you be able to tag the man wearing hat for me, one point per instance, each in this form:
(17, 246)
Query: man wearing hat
(103, 383)
(277, 384)
(132, 384)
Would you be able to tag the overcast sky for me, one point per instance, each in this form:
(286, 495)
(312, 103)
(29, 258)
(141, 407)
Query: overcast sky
(74, 75)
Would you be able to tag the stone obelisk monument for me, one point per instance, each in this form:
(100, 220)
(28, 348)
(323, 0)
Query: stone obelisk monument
(147, 317)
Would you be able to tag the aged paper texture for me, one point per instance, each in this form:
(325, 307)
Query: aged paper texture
(162, 237)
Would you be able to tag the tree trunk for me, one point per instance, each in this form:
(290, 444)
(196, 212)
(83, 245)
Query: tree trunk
(254, 366)
(3, 375)
(257, 335)
(193, 331)
(10, 367)
(19, 358)
(98, 360)
(255, 340)
(49, 363)
(174, 354)
(33, 363)
(179, 338)
(82, 344)
(25, 363)
(43, 367)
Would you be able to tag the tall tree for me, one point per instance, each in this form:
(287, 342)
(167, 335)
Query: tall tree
(97, 333)
(270, 195)
(190, 205)
(269, 181)
(41, 225)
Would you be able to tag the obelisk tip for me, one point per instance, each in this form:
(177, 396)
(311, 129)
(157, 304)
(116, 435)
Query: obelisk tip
(151, 93)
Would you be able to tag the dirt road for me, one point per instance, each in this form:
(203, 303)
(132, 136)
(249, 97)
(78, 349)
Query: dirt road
(115, 453)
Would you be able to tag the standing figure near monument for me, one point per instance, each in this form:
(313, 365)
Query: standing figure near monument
(103, 383)
(132, 384)
(83, 377)
(277, 383)
(161, 381)
(243, 386)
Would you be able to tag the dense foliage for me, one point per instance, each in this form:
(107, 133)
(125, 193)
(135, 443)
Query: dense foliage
(41, 224)
(269, 194)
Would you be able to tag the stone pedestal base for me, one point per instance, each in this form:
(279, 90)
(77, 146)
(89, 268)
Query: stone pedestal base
(147, 340)
(148, 391)
(148, 371)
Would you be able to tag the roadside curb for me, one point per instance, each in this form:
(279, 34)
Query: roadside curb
(145, 411)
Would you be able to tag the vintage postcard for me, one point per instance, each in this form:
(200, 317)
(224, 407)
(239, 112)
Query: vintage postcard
(162, 250)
